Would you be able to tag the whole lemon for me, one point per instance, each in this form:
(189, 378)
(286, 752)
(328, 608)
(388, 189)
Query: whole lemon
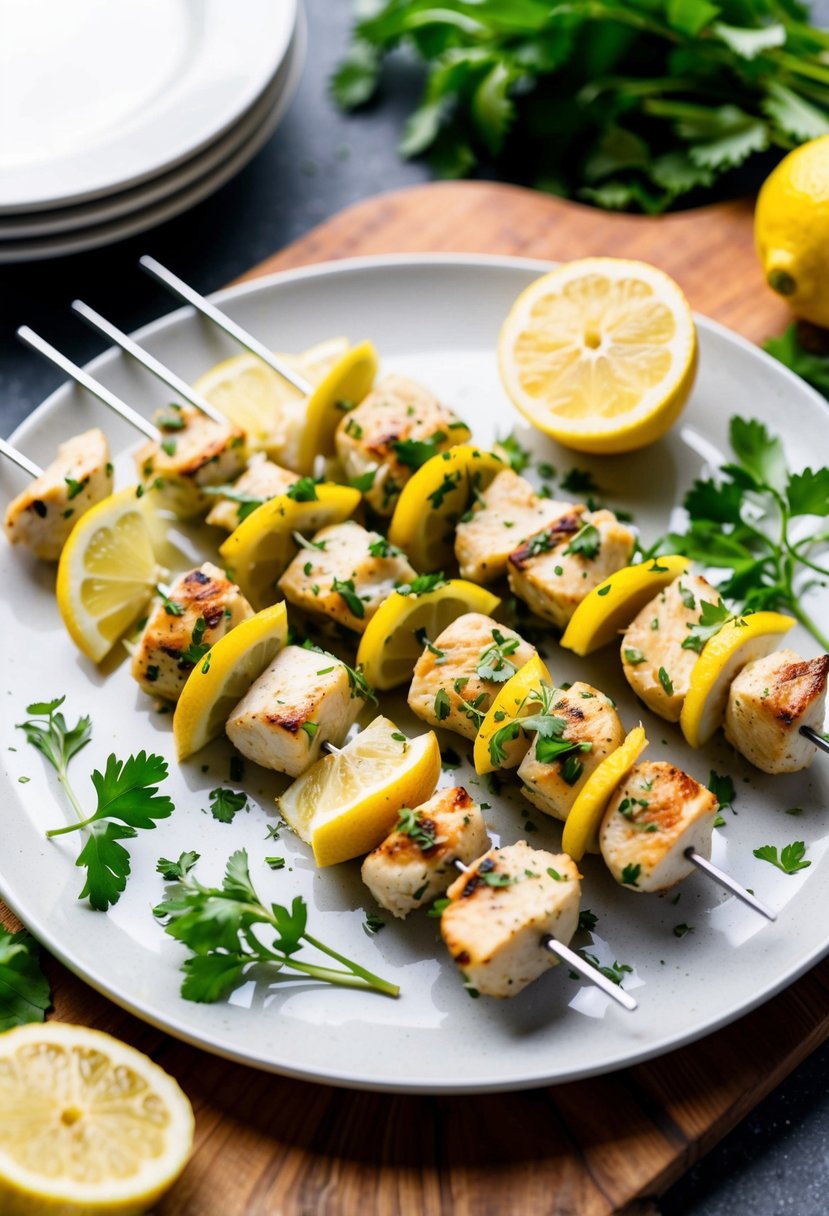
(791, 230)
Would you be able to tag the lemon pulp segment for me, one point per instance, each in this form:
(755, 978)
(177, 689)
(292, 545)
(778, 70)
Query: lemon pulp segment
(394, 637)
(609, 608)
(519, 696)
(723, 657)
(581, 828)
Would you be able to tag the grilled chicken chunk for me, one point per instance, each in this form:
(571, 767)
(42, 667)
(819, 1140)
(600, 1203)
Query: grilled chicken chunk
(506, 513)
(457, 676)
(346, 576)
(653, 645)
(304, 699)
(202, 607)
(653, 817)
(413, 865)
(553, 785)
(554, 569)
(384, 434)
(261, 480)
(193, 451)
(768, 703)
(42, 517)
(501, 912)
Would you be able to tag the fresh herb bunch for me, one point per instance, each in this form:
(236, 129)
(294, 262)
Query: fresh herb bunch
(629, 104)
(755, 520)
(127, 799)
(218, 925)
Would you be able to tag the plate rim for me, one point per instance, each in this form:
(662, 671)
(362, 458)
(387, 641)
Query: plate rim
(342, 1078)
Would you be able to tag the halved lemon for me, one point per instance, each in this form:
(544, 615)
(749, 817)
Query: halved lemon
(610, 607)
(344, 384)
(258, 551)
(521, 695)
(235, 662)
(600, 353)
(396, 634)
(107, 572)
(346, 803)
(87, 1124)
(268, 408)
(581, 829)
(433, 500)
(723, 657)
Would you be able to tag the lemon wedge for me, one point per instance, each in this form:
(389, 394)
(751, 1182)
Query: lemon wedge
(723, 657)
(395, 636)
(433, 500)
(259, 550)
(600, 353)
(87, 1124)
(523, 694)
(257, 399)
(107, 572)
(344, 384)
(581, 829)
(346, 803)
(232, 665)
(609, 608)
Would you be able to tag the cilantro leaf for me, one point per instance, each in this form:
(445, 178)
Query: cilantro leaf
(25, 994)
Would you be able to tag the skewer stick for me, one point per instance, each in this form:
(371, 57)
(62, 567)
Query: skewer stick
(574, 960)
(815, 737)
(27, 335)
(730, 884)
(183, 290)
(126, 343)
(22, 462)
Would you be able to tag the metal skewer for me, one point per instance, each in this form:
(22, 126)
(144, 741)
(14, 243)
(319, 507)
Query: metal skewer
(730, 884)
(27, 335)
(126, 343)
(185, 292)
(815, 737)
(574, 960)
(22, 462)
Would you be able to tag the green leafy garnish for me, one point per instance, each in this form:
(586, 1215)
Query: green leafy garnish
(790, 860)
(586, 542)
(442, 705)
(420, 830)
(230, 931)
(225, 803)
(25, 994)
(615, 972)
(246, 503)
(712, 619)
(517, 456)
(303, 490)
(196, 649)
(494, 662)
(423, 584)
(629, 104)
(346, 589)
(415, 452)
(630, 875)
(171, 607)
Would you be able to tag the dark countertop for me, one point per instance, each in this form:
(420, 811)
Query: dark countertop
(776, 1162)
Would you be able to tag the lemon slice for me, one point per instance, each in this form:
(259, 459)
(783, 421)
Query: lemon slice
(235, 662)
(581, 829)
(600, 353)
(723, 657)
(346, 803)
(257, 399)
(259, 550)
(346, 383)
(394, 637)
(610, 607)
(87, 1124)
(107, 572)
(521, 695)
(433, 500)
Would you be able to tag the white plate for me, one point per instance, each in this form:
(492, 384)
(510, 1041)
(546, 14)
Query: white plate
(96, 97)
(181, 189)
(436, 318)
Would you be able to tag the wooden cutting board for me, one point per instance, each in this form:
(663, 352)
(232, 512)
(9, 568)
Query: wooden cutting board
(266, 1146)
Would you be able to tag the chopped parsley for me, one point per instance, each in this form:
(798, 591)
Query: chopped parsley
(346, 590)
(421, 831)
(586, 542)
(303, 490)
(790, 860)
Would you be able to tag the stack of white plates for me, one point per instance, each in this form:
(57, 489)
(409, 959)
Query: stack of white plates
(117, 116)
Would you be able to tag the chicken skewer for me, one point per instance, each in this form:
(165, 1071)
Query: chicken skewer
(185, 292)
(158, 369)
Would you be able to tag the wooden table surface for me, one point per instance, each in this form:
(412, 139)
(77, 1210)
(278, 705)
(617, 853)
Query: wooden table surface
(269, 1146)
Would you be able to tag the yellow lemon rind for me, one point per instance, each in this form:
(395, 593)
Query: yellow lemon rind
(581, 828)
(515, 693)
(613, 604)
(350, 379)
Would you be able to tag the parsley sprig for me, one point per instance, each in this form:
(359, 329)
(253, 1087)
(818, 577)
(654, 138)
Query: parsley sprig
(790, 860)
(230, 932)
(24, 989)
(755, 521)
(127, 800)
